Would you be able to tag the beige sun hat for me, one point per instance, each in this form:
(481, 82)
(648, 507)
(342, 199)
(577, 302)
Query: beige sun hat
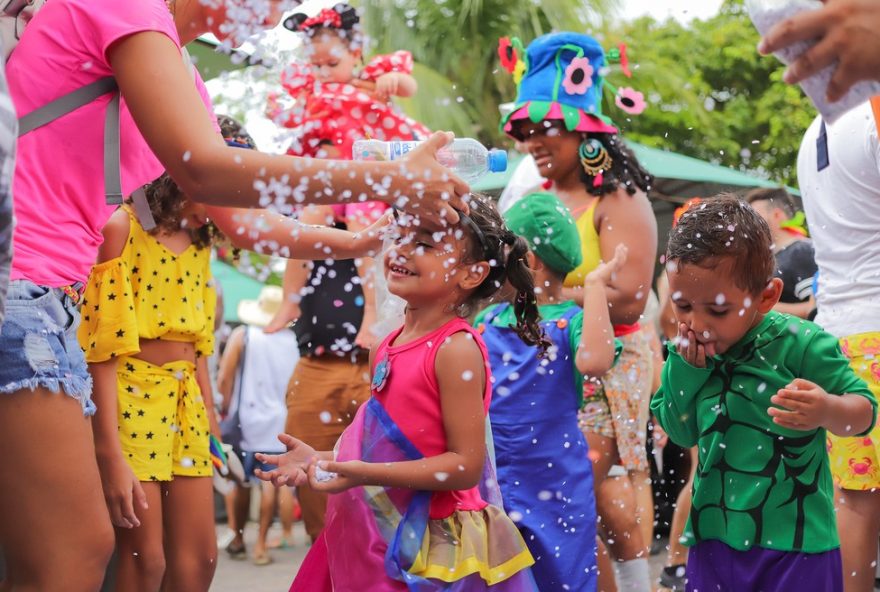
(260, 311)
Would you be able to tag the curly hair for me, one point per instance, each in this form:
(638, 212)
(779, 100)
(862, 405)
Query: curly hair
(626, 171)
(505, 251)
(167, 203)
(724, 226)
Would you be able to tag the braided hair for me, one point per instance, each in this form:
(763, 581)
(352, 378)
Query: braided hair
(625, 169)
(505, 252)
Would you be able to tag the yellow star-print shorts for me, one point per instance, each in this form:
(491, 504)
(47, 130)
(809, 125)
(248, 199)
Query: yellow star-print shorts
(855, 462)
(163, 423)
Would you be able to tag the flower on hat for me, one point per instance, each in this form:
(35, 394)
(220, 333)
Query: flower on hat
(578, 76)
(508, 55)
(630, 100)
(519, 71)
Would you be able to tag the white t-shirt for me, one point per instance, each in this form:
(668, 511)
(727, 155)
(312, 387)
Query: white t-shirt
(269, 361)
(842, 204)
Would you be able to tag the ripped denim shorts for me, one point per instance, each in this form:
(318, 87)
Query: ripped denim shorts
(38, 344)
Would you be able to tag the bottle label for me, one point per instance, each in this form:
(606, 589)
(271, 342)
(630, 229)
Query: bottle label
(399, 149)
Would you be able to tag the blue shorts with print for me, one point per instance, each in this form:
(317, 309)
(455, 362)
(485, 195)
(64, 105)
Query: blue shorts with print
(38, 345)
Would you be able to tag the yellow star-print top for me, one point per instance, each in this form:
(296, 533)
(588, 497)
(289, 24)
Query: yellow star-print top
(148, 292)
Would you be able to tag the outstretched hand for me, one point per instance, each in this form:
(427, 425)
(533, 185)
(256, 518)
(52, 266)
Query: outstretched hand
(804, 406)
(848, 32)
(369, 240)
(292, 465)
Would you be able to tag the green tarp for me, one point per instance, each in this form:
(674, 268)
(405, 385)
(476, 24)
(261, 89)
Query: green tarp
(236, 287)
(676, 175)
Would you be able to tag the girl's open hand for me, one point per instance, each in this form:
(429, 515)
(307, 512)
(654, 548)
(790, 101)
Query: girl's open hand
(693, 352)
(292, 465)
(606, 270)
(345, 475)
(805, 406)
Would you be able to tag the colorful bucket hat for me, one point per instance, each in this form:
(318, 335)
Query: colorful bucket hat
(560, 76)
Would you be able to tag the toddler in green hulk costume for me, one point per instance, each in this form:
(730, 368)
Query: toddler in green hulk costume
(756, 391)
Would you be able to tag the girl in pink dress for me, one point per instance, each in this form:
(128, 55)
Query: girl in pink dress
(337, 105)
(417, 506)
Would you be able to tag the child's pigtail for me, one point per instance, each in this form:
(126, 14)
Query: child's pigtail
(525, 306)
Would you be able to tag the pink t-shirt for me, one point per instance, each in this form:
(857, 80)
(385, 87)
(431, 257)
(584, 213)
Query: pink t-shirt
(59, 177)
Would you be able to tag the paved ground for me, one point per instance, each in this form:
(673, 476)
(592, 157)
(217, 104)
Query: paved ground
(244, 576)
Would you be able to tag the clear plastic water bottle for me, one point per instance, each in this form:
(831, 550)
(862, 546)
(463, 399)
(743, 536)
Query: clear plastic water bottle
(469, 159)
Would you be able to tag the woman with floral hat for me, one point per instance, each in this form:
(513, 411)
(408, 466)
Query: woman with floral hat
(558, 118)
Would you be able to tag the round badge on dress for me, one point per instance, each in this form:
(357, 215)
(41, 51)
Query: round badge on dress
(380, 377)
(481, 328)
(562, 323)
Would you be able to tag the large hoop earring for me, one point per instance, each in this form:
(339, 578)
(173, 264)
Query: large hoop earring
(594, 157)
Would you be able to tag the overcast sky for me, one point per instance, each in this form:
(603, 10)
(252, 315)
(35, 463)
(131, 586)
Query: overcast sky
(683, 10)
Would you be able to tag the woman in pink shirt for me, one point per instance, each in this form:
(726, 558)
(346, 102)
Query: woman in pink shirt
(51, 504)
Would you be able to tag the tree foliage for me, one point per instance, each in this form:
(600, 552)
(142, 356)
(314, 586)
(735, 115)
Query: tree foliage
(454, 43)
(713, 97)
(710, 94)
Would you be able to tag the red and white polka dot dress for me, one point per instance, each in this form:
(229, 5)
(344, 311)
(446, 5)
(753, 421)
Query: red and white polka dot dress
(340, 113)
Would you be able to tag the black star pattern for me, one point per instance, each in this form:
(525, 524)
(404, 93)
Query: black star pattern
(111, 296)
(179, 281)
(120, 333)
(152, 456)
(149, 287)
(141, 412)
(163, 260)
(129, 367)
(147, 396)
(135, 270)
(134, 435)
(129, 389)
(126, 414)
(149, 435)
(165, 419)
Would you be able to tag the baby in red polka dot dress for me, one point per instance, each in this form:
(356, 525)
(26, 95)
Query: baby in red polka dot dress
(335, 104)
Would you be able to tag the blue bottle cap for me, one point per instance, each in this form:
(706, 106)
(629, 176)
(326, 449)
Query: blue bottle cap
(497, 161)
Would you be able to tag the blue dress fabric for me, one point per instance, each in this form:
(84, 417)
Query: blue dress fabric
(545, 475)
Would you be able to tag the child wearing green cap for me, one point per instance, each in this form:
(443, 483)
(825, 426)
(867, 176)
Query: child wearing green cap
(545, 476)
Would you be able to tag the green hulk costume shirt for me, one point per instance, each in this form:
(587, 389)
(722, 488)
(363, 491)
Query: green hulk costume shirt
(757, 483)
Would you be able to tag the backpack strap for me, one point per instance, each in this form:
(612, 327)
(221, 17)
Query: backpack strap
(65, 104)
(112, 173)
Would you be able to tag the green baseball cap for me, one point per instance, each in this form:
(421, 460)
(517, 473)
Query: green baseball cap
(548, 227)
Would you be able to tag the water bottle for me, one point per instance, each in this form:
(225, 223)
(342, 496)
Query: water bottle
(469, 159)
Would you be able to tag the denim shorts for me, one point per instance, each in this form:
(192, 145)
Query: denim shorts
(251, 463)
(38, 344)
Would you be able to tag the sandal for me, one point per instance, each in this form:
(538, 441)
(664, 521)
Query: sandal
(262, 559)
(237, 552)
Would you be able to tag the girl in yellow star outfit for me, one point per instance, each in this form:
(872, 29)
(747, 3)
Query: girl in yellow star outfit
(148, 321)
